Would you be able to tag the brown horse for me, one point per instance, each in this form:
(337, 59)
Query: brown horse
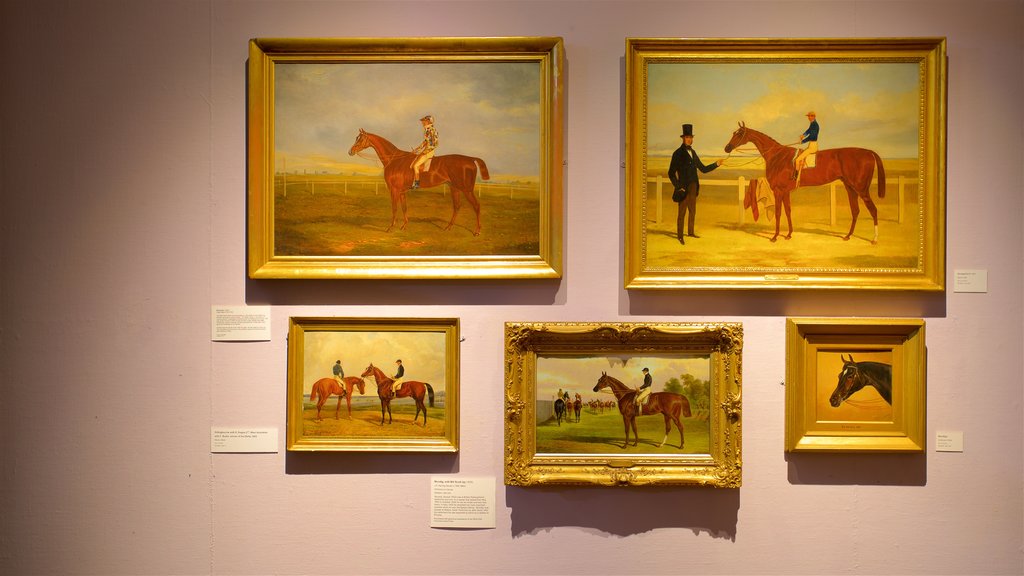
(457, 170)
(416, 390)
(324, 387)
(854, 167)
(856, 375)
(668, 404)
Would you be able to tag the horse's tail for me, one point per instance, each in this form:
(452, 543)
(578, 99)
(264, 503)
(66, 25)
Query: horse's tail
(313, 392)
(686, 406)
(430, 394)
(484, 174)
(881, 174)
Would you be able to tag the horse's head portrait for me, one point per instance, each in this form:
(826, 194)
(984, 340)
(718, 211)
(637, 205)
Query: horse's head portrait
(739, 138)
(849, 382)
(362, 143)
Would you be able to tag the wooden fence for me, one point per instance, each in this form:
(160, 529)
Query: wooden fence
(283, 182)
(740, 184)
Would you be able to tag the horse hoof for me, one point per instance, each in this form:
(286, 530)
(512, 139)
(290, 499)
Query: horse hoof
(873, 242)
(788, 237)
(845, 238)
(774, 238)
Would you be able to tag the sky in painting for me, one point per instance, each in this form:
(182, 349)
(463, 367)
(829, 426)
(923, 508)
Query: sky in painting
(865, 105)
(580, 374)
(487, 110)
(422, 354)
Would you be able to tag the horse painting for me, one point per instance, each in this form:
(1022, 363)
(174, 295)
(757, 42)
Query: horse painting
(457, 170)
(324, 387)
(669, 404)
(856, 375)
(854, 167)
(411, 388)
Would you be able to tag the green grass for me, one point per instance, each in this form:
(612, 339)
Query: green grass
(336, 222)
(602, 433)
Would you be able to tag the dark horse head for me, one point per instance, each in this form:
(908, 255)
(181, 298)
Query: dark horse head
(856, 375)
(739, 138)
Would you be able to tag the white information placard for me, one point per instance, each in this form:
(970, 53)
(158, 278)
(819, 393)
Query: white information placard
(949, 441)
(970, 281)
(457, 502)
(243, 440)
(241, 323)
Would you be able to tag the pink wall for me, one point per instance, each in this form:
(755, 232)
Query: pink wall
(122, 222)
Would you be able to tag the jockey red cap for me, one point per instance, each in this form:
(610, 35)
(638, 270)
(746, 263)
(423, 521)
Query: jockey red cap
(427, 118)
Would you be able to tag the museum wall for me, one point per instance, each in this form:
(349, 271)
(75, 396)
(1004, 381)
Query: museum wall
(122, 217)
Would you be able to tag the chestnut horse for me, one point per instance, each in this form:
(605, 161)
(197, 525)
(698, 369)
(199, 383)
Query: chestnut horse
(854, 167)
(457, 170)
(856, 375)
(411, 388)
(324, 387)
(668, 404)
(577, 406)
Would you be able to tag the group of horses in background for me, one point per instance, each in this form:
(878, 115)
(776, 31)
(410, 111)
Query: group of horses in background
(566, 407)
(421, 392)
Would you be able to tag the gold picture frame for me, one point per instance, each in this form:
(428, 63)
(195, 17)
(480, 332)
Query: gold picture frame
(695, 372)
(369, 353)
(855, 385)
(333, 128)
(881, 104)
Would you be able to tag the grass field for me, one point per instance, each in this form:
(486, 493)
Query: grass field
(365, 421)
(603, 433)
(352, 221)
(815, 245)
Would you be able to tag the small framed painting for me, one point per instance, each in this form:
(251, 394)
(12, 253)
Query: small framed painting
(405, 158)
(373, 384)
(855, 385)
(622, 404)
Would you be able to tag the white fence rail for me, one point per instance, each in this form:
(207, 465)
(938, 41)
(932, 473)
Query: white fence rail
(740, 184)
(284, 182)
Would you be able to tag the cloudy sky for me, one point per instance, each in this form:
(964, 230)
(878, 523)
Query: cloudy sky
(488, 110)
(581, 374)
(867, 105)
(422, 354)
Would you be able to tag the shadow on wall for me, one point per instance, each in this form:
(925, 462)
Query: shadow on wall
(326, 462)
(624, 512)
(858, 469)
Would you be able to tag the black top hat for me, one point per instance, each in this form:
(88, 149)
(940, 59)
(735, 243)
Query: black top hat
(687, 130)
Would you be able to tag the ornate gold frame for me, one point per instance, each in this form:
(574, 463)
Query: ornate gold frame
(301, 327)
(722, 342)
(807, 337)
(651, 264)
(266, 53)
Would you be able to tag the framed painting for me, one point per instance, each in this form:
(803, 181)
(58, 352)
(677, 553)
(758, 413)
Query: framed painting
(373, 384)
(405, 158)
(855, 385)
(623, 404)
(785, 164)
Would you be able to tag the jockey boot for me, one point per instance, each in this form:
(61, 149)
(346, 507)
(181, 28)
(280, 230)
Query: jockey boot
(415, 184)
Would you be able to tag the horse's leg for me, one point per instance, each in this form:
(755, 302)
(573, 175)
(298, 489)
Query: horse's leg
(854, 208)
(789, 215)
(778, 216)
(337, 409)
(668, 428)
(679, 425)
(471, 197)
(870, 205)
(625, 424)
(348, 401)
(382, 411)
(405, 209)
(394, 204)
(636, 436)
(456, 204)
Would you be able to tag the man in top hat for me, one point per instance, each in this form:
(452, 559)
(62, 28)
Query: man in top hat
(682, 171)
(810, 137)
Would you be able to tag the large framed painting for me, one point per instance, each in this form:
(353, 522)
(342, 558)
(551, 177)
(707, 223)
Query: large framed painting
(785, 164)
(405, 158)
(623, 404)
(373, 384)
(855, 385)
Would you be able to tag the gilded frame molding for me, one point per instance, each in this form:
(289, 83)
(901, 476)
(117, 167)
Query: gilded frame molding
(393, 259)
(430, 348)
(910, 250)
(870, 424)
(525, 343)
